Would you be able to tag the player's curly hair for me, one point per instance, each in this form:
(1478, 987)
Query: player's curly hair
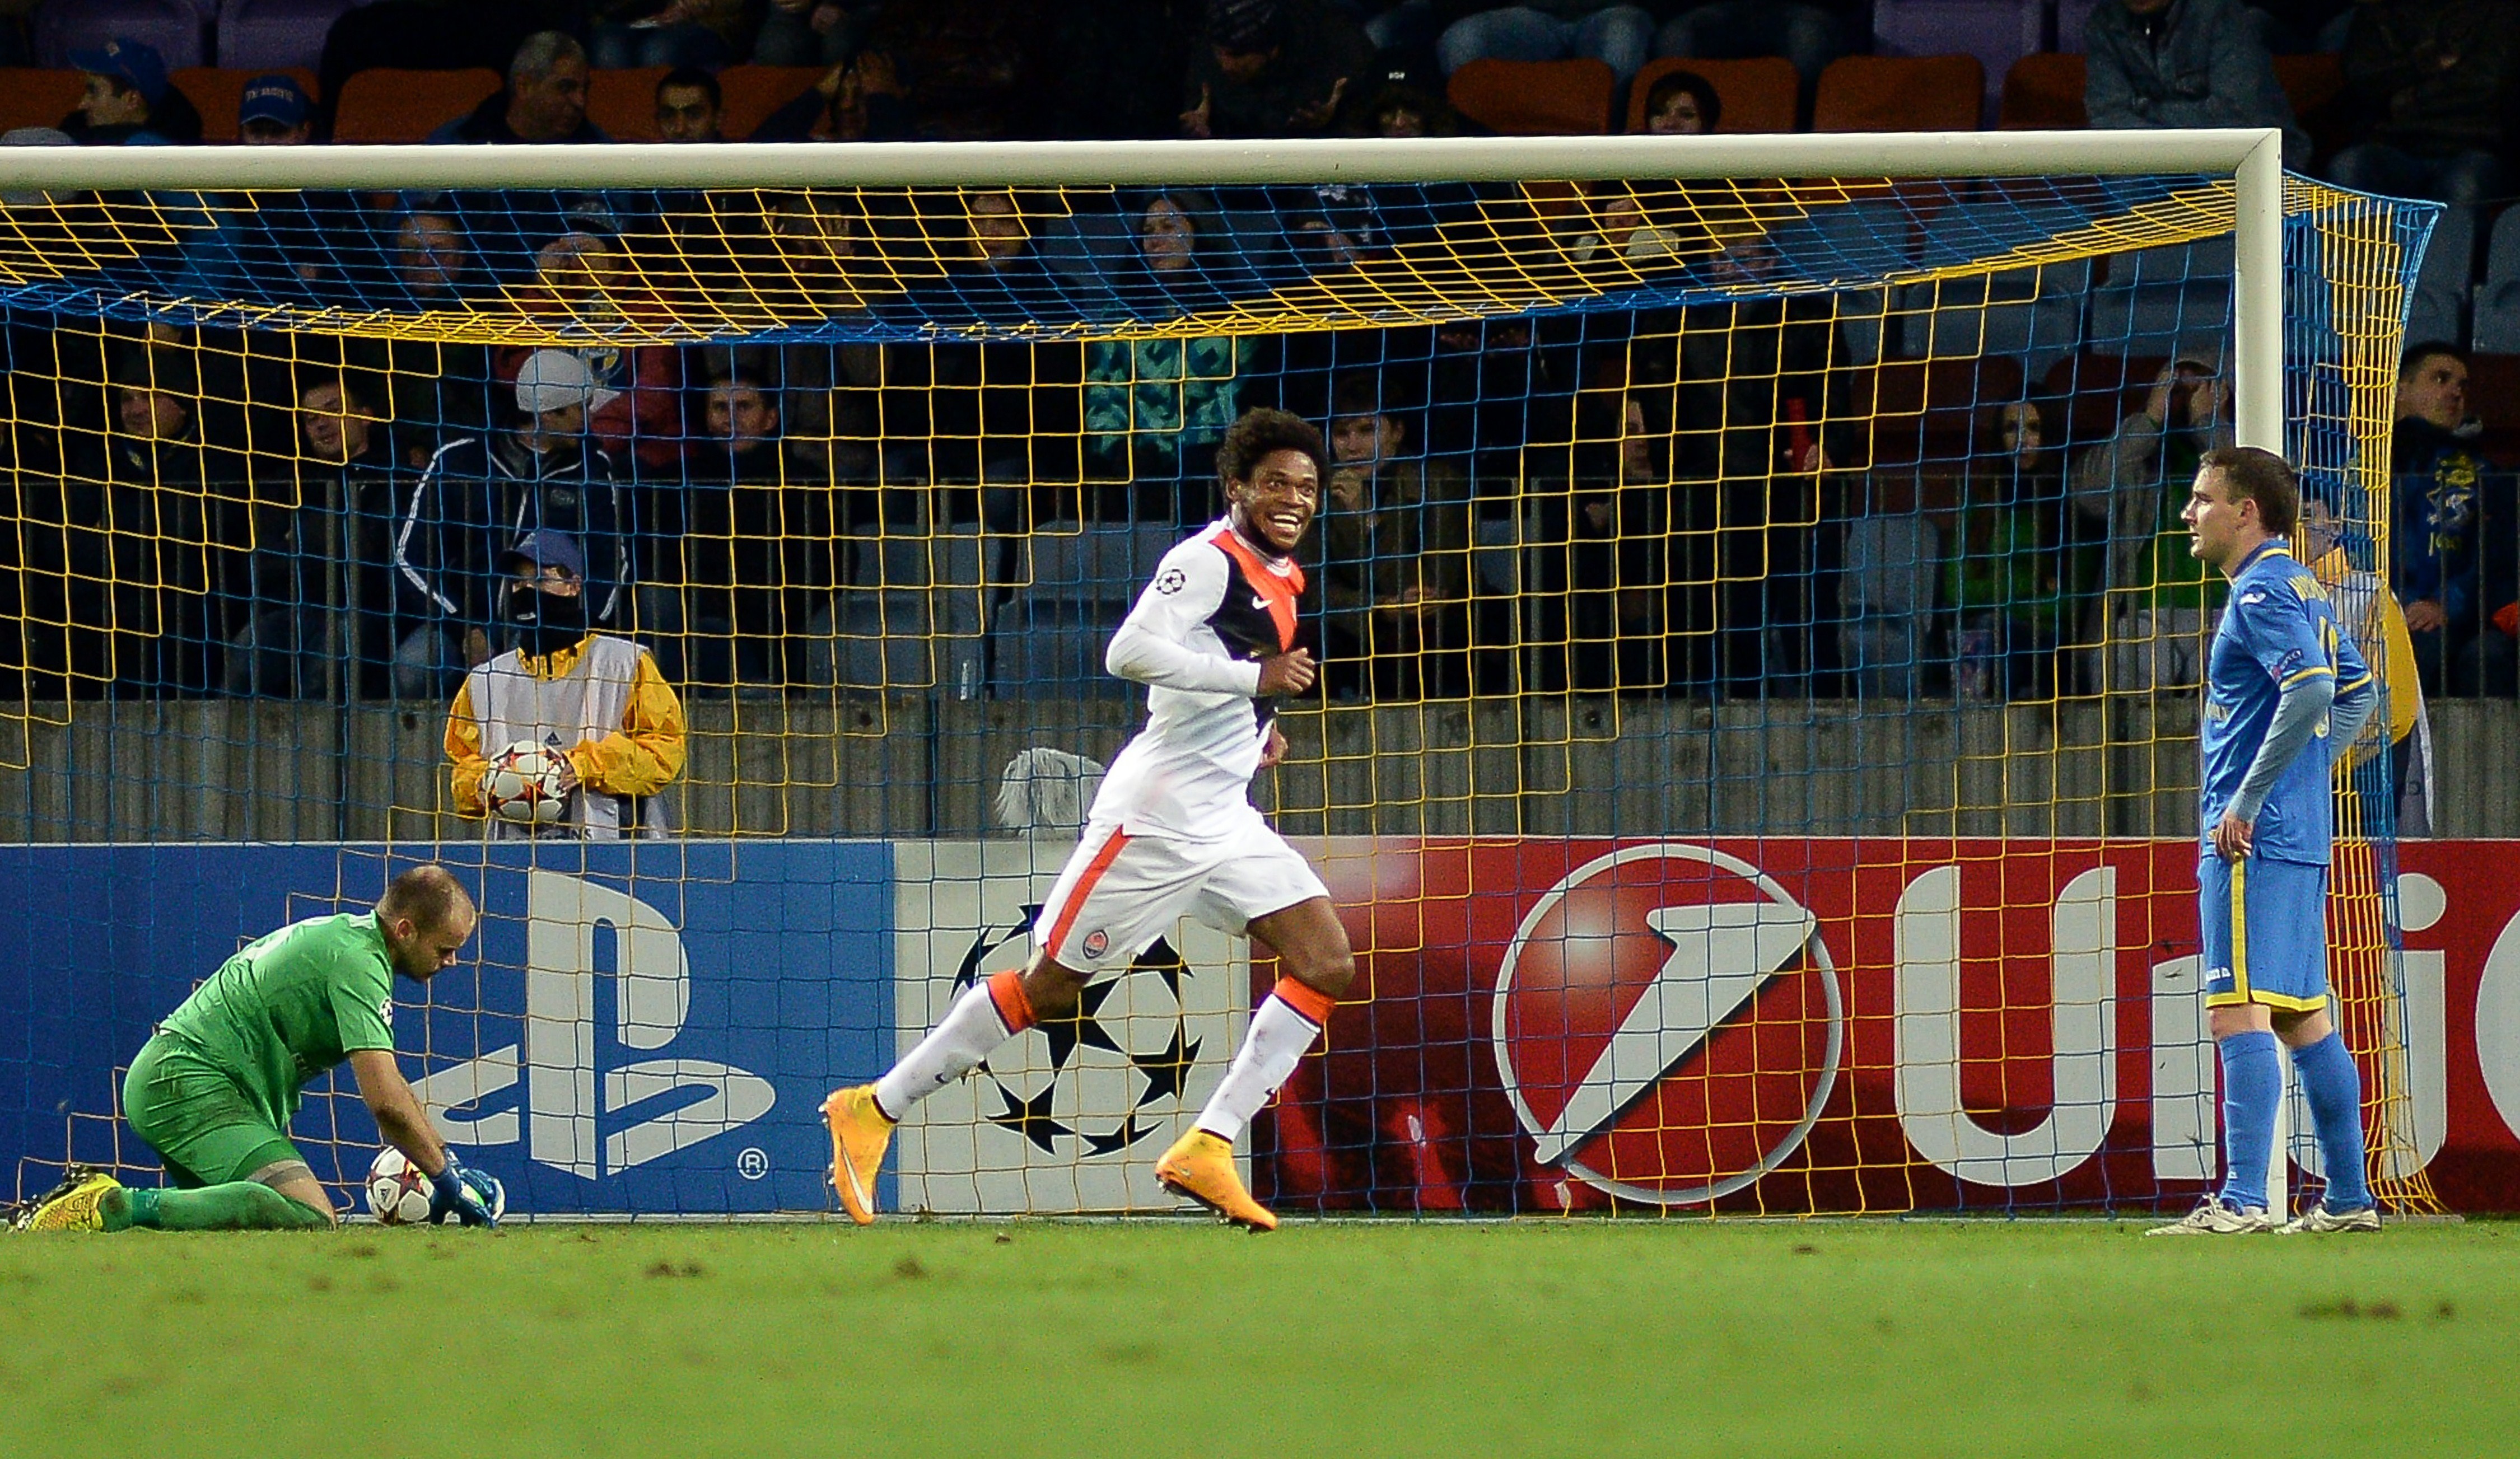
(1248, 441)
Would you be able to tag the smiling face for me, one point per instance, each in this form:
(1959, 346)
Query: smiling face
(1276, 503)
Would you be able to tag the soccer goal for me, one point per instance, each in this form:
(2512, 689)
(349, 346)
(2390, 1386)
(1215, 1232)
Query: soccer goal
(1756, 629)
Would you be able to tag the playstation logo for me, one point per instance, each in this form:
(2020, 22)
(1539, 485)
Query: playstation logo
(1668, 1024)
(576, 1116)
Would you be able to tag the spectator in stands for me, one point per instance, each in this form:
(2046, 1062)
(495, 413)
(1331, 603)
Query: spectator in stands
(1395, 556)
(582, 286)
(2183, 64)
(323, 582)
(858, 99)
(275, 111)
(130, 100)
(543, 102)
(598, 702)
(478, 490)
(1628, 550)
(1549, 30)
(629, 33)
(1152, 404)
(755, 541)
(169, 536)
(1682, 104)
(2337, 549)
(1337, 226)
(691, 106)
(431, 260)
(434, 35)
(1811, 36)
(2494, 660)
(2001, 575)
(805, 32)
(2440, 476)
(1412, 103)
(1275, 69)
(2437, 78)
(2153, 588)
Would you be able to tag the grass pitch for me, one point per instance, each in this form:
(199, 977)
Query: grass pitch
(1460, 1340)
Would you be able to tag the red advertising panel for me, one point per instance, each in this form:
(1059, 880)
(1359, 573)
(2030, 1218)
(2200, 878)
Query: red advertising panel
(1838, 1026)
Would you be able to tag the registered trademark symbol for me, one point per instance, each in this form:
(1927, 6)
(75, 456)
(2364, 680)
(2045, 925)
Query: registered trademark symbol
(751, 1163)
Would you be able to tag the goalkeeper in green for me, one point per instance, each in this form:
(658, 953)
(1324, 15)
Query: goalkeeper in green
(216, 1085)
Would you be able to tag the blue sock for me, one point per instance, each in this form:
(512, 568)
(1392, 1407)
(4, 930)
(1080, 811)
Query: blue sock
(2335, 1089)
(2252, 1083)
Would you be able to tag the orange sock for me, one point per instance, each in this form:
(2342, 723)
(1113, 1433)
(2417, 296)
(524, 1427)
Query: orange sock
(1305, 999)
(1006, 989)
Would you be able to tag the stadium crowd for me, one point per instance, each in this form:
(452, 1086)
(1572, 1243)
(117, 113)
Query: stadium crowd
(1683, 501)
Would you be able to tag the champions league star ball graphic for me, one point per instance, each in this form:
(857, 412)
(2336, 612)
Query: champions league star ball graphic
(1668, 1024)
(1101, 1081)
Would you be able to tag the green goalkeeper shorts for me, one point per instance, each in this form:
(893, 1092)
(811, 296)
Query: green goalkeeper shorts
(207, 1130)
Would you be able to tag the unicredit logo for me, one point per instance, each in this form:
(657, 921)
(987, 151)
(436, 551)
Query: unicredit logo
(1668, 1024)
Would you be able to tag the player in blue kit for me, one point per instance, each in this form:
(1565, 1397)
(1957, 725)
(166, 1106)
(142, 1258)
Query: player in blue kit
(2286, 694)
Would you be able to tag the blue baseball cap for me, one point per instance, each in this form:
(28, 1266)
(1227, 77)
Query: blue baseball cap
(547, 547)
(276, 98)
(135, 64)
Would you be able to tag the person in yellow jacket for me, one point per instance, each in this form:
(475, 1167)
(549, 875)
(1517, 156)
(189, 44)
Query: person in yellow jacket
(2371, 613)
(596, 702)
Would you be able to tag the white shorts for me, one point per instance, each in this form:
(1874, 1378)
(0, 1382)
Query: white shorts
(1121, 889)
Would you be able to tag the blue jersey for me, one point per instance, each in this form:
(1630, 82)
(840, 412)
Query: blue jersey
(2278, 631)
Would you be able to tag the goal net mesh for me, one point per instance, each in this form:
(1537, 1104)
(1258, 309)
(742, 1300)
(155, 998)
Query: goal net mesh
(1699, 559)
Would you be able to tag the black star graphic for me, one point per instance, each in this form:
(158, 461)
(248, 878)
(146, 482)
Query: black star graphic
(1167, 1072)
(1030, 1118)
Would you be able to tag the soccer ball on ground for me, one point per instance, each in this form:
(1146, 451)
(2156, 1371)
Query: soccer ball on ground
(522, 784)
(398, 1194)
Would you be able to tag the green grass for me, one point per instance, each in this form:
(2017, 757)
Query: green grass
(1462, 1340)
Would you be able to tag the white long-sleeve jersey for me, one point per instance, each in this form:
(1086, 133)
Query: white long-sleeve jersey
(1195, 639)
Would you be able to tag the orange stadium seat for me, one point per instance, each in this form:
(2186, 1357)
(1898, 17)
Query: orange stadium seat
(754, 92)
(623, 103)
(398, 105)
(1536, 98)
(2043, 93)
(1900, 94)
(1758, 94)
(219, 92)
(35, 98)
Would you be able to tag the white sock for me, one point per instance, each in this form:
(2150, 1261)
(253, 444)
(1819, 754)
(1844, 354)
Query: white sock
(970, 1030)
(1270, 1046)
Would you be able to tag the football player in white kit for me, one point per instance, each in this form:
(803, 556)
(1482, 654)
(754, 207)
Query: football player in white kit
(1173, 832)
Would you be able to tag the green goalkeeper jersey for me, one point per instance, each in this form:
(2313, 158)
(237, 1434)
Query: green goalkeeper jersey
(290, 1005)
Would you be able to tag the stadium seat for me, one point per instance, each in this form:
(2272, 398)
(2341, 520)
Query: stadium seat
(1536, 98)
(2439, 308)
(2032, 315)
(623, 103)
(754, 92)
(1900, 94)
(2498, 297)
(1924, 409)
(32, 97)
(908, 615)
(2173, 300)
(270, 36)
(1998, 32)
(1078, 582)
(173, 28)
(2044, 94)
(219, 92)
(1757, 95)
(398, 105)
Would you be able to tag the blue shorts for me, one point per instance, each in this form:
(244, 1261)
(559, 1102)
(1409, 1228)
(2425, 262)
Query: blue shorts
(2266, 933)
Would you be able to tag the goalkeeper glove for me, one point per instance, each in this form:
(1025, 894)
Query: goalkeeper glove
(470, 1196)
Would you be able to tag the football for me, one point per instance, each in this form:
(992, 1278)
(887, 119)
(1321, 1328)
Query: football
(522, 784)
(398, 1193)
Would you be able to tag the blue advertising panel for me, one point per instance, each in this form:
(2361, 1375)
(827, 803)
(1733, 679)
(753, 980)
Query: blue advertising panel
(641, 1029)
